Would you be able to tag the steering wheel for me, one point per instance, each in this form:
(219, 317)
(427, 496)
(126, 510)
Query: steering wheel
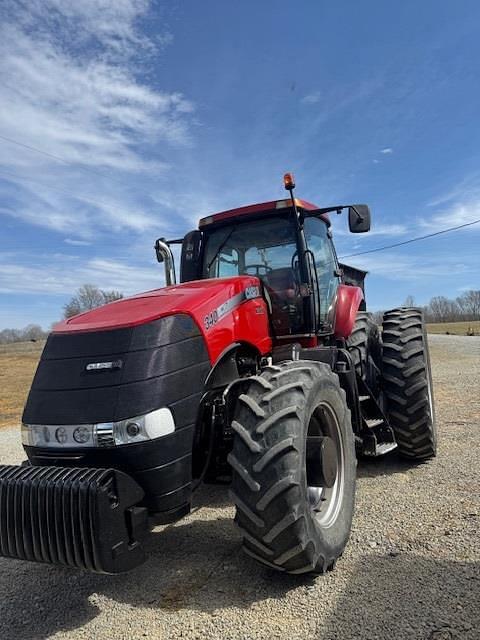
(292, 263)
(258, 268)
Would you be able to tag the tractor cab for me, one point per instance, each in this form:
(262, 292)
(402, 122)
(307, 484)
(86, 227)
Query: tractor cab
(287, 244)
(296, 264)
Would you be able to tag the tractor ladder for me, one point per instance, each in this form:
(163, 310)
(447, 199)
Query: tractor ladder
(376, 437)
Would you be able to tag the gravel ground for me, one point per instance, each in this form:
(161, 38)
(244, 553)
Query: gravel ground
(411, 569)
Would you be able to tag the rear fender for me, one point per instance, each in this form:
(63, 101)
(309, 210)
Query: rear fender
(347, 305)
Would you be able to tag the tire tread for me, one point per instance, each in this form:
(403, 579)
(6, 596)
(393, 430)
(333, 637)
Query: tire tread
(406, 378)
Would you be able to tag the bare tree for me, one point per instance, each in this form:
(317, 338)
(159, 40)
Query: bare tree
(377, 317)
(8, 336)
(31, 332)
(439, 308)
(111, 296)
(409, 302)
(469, 303)
(88, 297)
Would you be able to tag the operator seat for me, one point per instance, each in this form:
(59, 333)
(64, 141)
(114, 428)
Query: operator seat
(282, 288)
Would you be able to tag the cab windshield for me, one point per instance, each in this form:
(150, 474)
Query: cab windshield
(256, 248)
(267, 249)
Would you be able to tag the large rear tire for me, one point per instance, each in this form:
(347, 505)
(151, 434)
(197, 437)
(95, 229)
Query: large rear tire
(407, 383)
(364, 341)
(294, 467)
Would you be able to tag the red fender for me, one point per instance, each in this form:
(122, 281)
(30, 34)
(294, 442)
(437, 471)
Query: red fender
(347, 304)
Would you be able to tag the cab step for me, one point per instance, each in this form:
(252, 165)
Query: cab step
(372, 423)
(377, 436)
(386, 447)
(372, 448)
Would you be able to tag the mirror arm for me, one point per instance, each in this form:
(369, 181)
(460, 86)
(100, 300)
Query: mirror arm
(359, 216)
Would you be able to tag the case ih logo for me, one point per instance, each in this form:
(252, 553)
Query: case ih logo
(102, 366)
(252, 292)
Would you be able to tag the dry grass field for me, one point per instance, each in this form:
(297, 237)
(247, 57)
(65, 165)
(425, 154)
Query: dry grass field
(456, 328)
(17, 366)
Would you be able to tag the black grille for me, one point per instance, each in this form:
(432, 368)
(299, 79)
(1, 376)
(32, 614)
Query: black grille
(164, 363)
(84, 518)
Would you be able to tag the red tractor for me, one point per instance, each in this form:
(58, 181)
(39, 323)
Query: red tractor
(261, 369)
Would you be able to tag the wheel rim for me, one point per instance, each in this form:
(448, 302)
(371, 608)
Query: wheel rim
(325, 486)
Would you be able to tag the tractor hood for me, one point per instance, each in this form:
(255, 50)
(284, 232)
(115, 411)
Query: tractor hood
(213, 304)
(192, 298)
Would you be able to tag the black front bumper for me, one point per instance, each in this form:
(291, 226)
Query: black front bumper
(164, 364)
(84, 518)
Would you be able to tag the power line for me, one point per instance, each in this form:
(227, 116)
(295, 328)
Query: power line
(58, 158)
(96, 173)
(400, 244)
(13, 177)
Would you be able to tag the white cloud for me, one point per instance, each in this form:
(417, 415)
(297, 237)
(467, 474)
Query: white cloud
(87, 112)
(459, 213)
(406, 267)
(62, 275)
(312, 98)
(71, 88)
(111, 24)
(77, 243)
(386, 150)
(467, 189)
(392, 230)
(388, 230)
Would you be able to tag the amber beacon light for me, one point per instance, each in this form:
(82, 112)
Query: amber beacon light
(289, 181)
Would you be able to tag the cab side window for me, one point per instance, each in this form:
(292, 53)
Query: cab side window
(227, 264)
(321, 247)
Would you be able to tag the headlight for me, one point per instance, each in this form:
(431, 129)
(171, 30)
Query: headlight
(103, 434)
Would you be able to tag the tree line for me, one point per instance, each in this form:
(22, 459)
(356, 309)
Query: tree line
(87, 297)
(30, 333)
(464, 308)
(440, 309)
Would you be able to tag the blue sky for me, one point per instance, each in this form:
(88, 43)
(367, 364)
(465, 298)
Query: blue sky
(152, 114)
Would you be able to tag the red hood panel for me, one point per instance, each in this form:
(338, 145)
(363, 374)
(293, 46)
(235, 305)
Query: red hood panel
(189, 297)
(246, 321)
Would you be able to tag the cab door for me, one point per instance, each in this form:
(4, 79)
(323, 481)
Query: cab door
(323, 263)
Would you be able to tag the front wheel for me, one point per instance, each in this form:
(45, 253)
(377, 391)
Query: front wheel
(294, 467)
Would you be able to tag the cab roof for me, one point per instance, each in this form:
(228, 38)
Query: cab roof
(262, 207)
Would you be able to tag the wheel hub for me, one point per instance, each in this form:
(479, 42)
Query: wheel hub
(322, 459)
(329, 462)
(324, 465)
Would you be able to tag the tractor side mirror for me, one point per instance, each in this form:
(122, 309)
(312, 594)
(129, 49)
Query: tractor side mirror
(359, 218)
(190, 262)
